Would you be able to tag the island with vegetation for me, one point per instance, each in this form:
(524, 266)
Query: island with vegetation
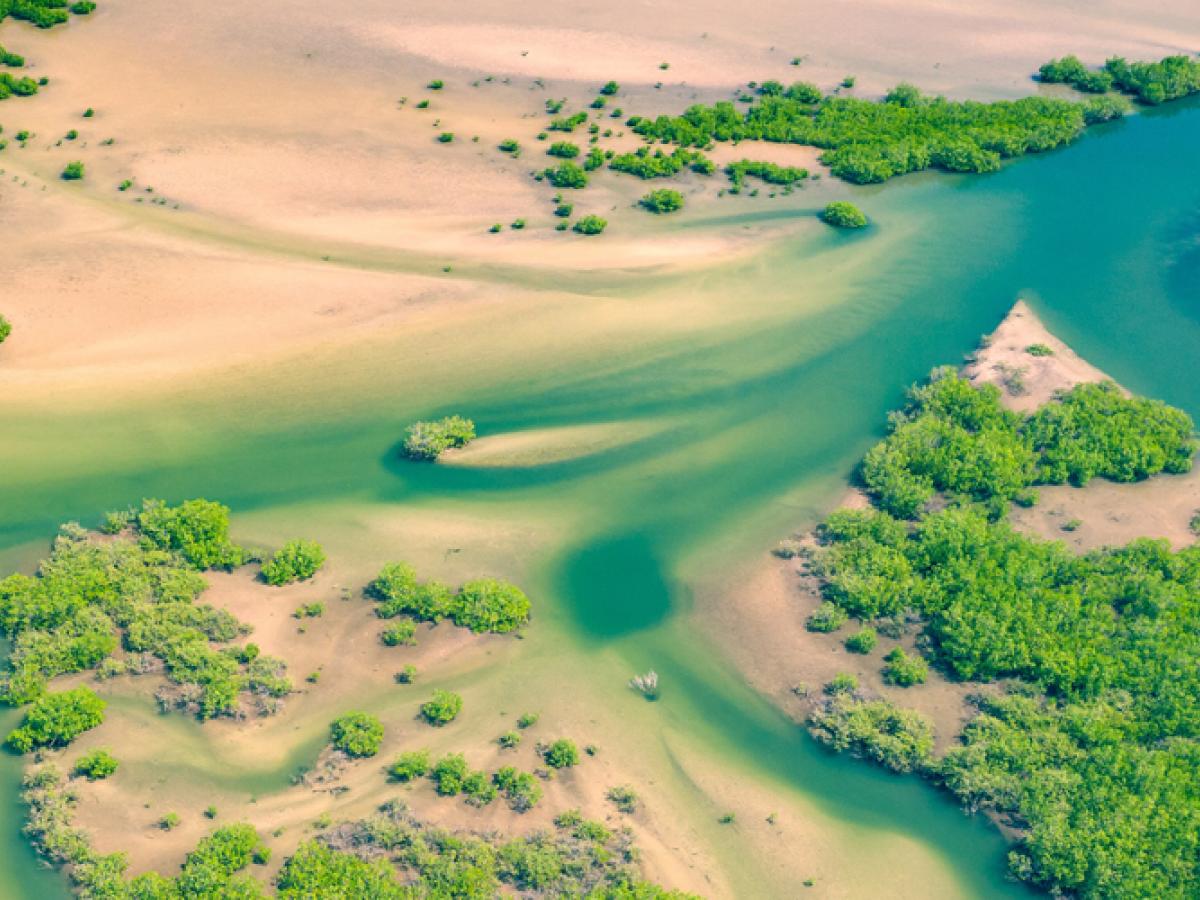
(1089, 749)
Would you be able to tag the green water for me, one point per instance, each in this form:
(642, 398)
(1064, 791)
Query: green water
(761, 418)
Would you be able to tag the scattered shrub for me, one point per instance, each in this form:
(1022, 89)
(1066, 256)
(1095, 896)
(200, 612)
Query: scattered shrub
(862, 641)
(566, 175)
(520, 789)
(827, 618)
(295, 561)
(590, 224)
(1039, 350)
(442, 708)
(446, 137)
(509, 740)
(662, 200)
(399, 633)
(841, 214)
(624, 798)
(73, 171)
(96, 765)
(527, 720)
(842, 683)
(357, 734)
(410, 765)
(563, 150)
(903, 670)
(561, 754)
(429, 440)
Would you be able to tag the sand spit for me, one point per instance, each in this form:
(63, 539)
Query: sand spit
(542, 446)
(1028, 380)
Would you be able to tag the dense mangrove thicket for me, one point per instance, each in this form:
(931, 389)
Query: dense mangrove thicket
(1093, 751)
(959, 440)
(871, 141)
(128, 605)
(44, 13)
(1151, 83)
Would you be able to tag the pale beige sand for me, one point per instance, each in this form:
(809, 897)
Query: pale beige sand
(279, 135)
(1111, 514)
(758, 616)
(542, 446)
(1027, 381)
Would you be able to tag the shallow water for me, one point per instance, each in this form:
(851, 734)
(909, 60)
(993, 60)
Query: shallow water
(762, 415)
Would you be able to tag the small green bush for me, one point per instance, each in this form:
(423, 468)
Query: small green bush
(841, 214)
(429, 440)
(410, 765)
(1039, 350)
(862, 641)
(624, 798)
(73, 171)
(843, 683)
(487, 604)
(563, 150)
(449, 773)
(357, 734)
(566, 175)
(96, 765)
(663, 200)
(590, 224)
(399, 633)
(169, 822)
(561, 754)
(527, 720)
(309, 610)
(827, 618)
(436, 85)
(446, 137)
(903, 670)
(296, 561)
(509, 740)
(5, 329)
(442, 708)
(521, 789)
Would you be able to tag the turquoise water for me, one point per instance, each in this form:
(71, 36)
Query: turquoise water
(1103, 237)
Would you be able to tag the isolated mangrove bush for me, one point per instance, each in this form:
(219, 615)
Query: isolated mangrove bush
(590, 224)
(842, 214)
(295, 561)
(442, 708)
(429, 440)
(663, 200)
(870, 141)
(357, 734)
